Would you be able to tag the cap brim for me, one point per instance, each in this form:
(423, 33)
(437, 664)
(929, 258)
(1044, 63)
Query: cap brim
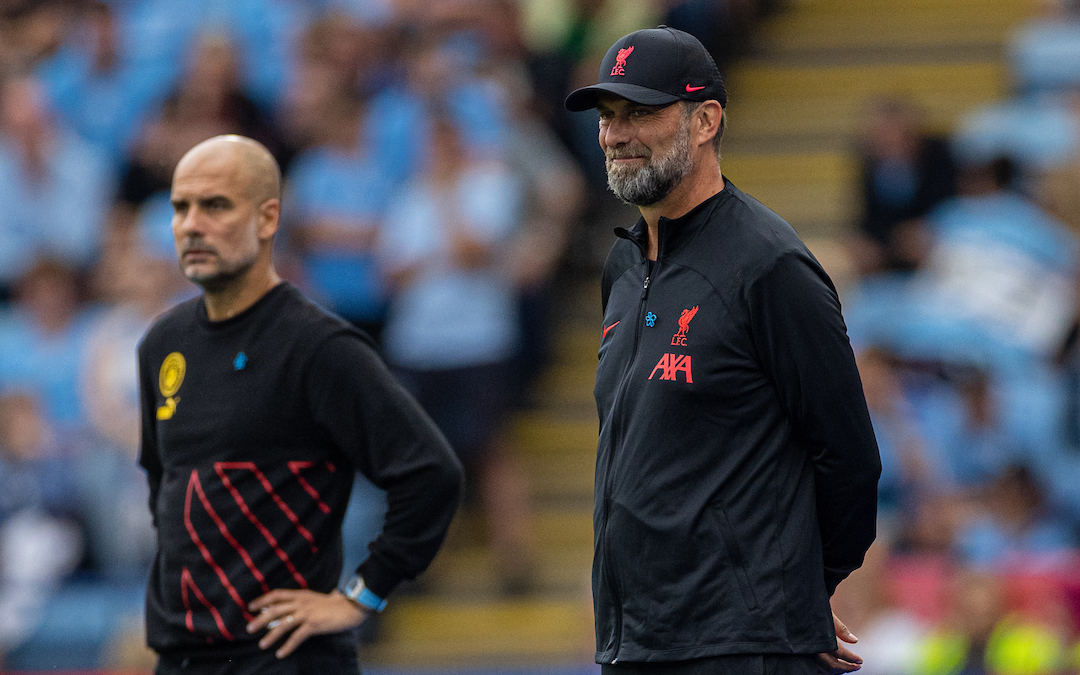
(586, 97)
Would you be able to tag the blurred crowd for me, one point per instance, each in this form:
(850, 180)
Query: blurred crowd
(964, 318)
(432, 184)
(436, 196)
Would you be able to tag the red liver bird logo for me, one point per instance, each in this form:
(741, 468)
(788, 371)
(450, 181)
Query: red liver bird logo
(620, 61)
(684, 325)
(684, 320)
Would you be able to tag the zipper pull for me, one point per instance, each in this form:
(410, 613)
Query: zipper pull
(646, 284)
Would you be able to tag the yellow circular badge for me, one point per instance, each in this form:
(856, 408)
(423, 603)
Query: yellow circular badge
(172, 374)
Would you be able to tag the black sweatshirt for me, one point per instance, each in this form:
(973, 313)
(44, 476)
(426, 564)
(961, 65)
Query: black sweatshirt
(252, 429)
(737, 468)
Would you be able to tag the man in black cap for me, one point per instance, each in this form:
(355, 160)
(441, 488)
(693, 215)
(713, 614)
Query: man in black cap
(736, 475)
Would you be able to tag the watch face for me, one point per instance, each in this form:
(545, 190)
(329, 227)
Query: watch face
(354, 587)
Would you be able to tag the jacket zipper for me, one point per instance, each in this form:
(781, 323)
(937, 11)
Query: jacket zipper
(615, 590)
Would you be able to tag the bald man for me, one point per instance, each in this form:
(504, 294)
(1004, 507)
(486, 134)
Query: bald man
(257, 409)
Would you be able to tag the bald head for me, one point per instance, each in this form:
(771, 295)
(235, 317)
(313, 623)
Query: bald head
(226, 206)
(250, 164)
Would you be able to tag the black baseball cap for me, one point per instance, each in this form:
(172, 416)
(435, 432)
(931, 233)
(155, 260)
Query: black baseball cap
(655, 66)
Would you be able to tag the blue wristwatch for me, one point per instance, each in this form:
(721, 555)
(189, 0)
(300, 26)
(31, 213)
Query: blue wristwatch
(359, 593)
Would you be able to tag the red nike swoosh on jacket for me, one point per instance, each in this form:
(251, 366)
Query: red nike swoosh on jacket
(604, 335)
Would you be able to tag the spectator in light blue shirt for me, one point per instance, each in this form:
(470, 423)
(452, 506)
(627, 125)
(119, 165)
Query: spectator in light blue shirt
(266, 34)
(42, 343)
(54, 187)
(99, 84)
(1044, 52)
(1015, 524)
(1003, 265)
(999, 282)
(338, 192)
(454, 307)
(438, 76)
(453, 325)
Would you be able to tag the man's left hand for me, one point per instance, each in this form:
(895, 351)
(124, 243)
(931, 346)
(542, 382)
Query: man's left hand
(843, 660)
(301, 614)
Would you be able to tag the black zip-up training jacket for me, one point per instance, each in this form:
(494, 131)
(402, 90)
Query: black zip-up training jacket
(252, 431)
(736, 473)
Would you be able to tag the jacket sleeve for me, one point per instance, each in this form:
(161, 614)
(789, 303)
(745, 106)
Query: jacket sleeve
(149, 456)
(391, 440)
(801, 340)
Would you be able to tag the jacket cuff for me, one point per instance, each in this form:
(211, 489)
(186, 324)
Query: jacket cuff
(833, 577)
(378, 578)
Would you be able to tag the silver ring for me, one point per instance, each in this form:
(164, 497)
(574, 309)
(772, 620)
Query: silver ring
(277, 622)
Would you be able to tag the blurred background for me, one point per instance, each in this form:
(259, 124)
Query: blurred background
(928, 151)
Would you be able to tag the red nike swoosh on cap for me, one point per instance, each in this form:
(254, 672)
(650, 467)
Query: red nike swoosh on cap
(690, 89)
(604, 335)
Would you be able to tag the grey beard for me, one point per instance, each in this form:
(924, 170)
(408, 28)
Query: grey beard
(223, 278)
(656, 180)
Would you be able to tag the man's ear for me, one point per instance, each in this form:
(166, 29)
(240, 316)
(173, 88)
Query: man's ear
(269, 214)
(708, 114)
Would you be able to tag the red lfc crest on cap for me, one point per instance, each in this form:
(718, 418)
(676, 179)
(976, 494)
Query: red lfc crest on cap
(620, 61)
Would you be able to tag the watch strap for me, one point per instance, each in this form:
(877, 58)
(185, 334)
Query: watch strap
(358, 592)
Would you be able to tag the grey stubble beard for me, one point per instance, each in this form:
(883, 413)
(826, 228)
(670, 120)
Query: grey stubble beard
(649, 184)
(225, 276)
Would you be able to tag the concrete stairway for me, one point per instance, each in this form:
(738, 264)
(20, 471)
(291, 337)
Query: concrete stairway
(460, 620)
(795, 105)
(794, 109)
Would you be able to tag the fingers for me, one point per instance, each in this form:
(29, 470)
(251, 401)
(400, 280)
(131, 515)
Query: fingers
(842, 631)
(288, 623)
(843, 660)
(834, 663)
(296, 615)
(269, 615)
(272, 598)
(298, 636)
(845, 654)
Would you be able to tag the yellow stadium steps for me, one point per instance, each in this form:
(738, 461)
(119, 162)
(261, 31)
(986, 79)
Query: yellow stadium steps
(803, 103)
(884, 24)
(561, 568)
(440, 632)
(813, 191)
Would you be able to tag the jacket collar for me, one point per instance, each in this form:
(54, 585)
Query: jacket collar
(673, 232)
